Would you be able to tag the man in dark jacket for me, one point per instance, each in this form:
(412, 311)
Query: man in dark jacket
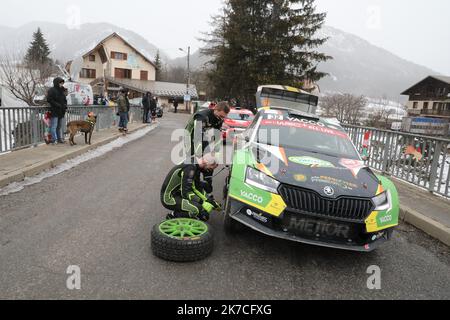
(153, 107)
(185, 194)
(197, 143)
(146, 104)
(56, 97)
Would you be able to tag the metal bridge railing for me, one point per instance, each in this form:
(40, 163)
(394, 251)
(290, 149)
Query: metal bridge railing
(25, 127)
(421, 160)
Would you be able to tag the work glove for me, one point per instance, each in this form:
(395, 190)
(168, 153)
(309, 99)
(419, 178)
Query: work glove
(208, 207)
(203, 216)
(213, 201)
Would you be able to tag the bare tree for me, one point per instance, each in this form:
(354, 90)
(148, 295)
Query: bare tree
(382, 113)
(346, 108)
(23, 80)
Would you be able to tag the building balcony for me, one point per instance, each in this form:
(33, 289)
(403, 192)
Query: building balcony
(429, 112)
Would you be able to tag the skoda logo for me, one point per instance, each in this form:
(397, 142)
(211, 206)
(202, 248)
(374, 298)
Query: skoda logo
(329, 191)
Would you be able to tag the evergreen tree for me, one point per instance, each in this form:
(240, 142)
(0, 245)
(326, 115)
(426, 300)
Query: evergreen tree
(38, 52)
(159, 66)
(256, 42)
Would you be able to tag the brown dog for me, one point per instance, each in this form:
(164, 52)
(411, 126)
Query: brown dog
(87, 127)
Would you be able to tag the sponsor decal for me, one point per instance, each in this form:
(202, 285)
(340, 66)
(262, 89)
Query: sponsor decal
(252, 197)
(256, 216)
(335, 182)
(311, 162)
(386, 219)
(305, 124)
(353, 165)
(300, 178)
(278, 117)
(320, 228)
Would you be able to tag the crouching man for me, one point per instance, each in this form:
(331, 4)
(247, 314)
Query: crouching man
(185, 194)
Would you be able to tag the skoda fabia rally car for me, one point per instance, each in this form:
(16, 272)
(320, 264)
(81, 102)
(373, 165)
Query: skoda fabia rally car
(299, 177)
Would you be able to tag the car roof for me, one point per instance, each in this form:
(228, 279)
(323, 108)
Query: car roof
(240, 111)
(334, 123)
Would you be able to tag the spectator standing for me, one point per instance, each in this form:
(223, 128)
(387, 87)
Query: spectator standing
(146, 105)
(123, 106)
(56, 97)
(175, 105)
(153, 106)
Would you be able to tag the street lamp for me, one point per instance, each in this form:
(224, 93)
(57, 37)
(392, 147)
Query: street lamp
(188, 73)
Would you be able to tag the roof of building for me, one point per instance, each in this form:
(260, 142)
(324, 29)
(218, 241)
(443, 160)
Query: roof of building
(158, 88)
(112, 35)
(440, 78)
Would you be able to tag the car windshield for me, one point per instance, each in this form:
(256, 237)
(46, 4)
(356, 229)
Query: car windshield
(240, 117)
(316, 138)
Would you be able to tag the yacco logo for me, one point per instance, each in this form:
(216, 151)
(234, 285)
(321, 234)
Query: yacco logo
(252, 197)
(311, 162)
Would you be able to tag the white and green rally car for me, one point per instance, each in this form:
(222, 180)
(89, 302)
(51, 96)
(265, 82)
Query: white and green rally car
(299, 177)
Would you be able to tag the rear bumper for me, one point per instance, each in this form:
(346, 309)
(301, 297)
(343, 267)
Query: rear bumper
(274, 227)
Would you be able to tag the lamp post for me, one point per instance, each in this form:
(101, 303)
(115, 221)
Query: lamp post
(188, 73)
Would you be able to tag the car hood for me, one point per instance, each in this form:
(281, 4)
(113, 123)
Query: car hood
(237, 123)
(329, 176)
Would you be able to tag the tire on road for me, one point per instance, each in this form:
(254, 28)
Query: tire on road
(182, 240)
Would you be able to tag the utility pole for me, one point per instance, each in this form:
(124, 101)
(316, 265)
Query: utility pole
(188, 74)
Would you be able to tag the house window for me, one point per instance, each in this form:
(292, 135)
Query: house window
(435, 106)
(415, 105)
(144, 75)
(119, 55)
(122, 73)
(425, 105)
(92, 58)
(88, 73)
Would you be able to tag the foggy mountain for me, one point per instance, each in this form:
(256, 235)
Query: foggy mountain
(358, 67)
(67, 44)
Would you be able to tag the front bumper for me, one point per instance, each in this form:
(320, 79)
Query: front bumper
(308, 229)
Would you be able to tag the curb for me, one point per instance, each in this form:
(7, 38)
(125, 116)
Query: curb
(431, 227)
(51, 163)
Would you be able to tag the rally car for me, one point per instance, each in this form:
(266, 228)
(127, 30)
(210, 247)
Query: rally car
(299, 177)
(238, 121)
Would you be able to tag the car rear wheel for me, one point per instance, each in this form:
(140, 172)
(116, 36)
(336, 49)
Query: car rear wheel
(182, 240)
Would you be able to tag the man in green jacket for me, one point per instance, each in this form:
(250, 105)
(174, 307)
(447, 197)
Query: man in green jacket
(184, 193)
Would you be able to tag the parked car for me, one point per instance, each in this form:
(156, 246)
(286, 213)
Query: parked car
(238, 121)
(298, 177)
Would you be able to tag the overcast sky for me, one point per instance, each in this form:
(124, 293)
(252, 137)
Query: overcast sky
(416, 30)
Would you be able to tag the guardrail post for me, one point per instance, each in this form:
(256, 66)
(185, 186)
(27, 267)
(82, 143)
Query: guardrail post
(386, 154)
(434, 166)
(34, 118)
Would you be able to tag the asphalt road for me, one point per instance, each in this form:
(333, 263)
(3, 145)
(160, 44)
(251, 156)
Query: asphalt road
(98, 216)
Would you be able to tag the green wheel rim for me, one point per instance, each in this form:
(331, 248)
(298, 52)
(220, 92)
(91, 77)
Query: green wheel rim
(183, 228)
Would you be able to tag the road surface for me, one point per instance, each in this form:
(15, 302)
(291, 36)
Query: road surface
(98, 216)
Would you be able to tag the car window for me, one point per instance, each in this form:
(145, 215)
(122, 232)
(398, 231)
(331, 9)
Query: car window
(240, 117)
(307, 136)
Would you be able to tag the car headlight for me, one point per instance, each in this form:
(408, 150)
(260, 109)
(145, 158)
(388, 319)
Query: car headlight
(383, 201)
(261, 180)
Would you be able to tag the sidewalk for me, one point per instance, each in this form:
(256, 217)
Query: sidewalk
(17, 165)
(426, 211)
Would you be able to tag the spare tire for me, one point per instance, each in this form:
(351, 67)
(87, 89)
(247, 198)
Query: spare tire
(182, 240)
